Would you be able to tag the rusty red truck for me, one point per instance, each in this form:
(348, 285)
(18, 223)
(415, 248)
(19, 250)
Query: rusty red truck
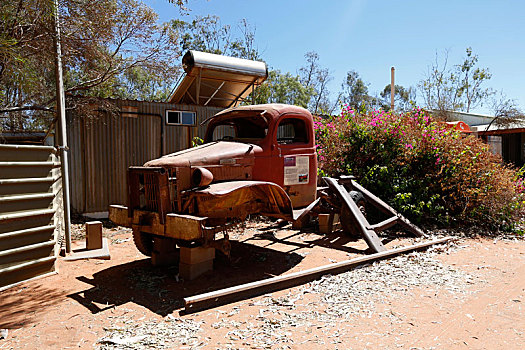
(257, 159)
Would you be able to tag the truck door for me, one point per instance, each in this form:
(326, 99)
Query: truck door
(294, 159)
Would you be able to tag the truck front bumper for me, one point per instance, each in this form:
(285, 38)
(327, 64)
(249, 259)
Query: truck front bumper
(178, 226)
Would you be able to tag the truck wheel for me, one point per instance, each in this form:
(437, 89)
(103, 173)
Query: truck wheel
(143, 242)
(349, 223)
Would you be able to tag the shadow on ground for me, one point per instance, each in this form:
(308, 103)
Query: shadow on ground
(336, 240)
(19, 306)
(160, 290)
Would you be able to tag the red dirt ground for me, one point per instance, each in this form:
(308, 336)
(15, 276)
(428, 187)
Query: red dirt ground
(75, 308)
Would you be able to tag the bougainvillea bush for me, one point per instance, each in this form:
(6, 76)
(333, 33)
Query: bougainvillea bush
(426, 170)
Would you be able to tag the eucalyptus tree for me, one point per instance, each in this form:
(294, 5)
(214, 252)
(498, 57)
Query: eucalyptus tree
(404, 98)
(354, 92)
(316, 78)
(102, 42)
(460, 87)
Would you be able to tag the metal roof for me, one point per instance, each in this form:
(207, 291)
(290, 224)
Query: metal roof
(216, 80)
(516, 126)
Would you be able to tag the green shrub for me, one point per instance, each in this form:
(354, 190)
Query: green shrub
(427, 171)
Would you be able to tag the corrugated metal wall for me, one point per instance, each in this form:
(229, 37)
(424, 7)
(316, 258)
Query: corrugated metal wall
(102, 149)
(512, 148)
(31, 219)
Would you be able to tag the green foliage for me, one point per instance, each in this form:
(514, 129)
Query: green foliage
(208, 34)
(283, 88)
(427, 171)
(196, 141)
(110, 48)
(138, 83)
(471, 79)
(355, 92)
(404, 98)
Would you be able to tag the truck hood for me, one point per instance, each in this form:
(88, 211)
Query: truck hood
(213, 153)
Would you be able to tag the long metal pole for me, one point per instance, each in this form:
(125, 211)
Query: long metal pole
(392, 88)
(235, 293)
(61, 111)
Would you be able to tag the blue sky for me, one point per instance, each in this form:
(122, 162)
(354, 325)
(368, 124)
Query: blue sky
(372, 36)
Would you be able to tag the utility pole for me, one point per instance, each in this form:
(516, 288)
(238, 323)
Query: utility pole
(392, 88)
(61, 117)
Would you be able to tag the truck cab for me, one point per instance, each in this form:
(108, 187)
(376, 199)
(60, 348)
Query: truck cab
(286, 145)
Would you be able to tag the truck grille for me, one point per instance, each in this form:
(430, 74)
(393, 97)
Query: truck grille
(151, 192)
(149, 189)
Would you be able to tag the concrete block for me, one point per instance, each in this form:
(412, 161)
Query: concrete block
(93, 235)
(196, 255)
(165, 252)
(336, 225)
(192, 271)
(328, 223)
(84, 253)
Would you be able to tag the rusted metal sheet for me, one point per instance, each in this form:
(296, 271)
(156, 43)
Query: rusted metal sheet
(241, 198)
(214, 153)
(31, 222)
(155, 197)
(102, 149)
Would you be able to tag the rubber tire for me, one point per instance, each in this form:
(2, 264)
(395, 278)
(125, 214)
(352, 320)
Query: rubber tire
(143, 242)
(349, 224)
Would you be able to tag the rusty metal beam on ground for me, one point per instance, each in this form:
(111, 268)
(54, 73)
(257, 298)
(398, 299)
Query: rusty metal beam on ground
(381, 205)
(368, 233)
(232, 294)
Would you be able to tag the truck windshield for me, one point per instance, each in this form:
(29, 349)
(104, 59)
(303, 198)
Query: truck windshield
(242, 129)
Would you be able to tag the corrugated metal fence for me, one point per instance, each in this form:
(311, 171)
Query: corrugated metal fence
(30, 212)
(102, 148)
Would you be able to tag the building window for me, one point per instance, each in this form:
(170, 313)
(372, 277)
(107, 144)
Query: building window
(180, 118)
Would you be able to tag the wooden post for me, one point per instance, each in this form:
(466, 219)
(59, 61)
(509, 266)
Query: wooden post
(93, 235)
(392, 88)
(327, 222)
(189, 136)
(369, 234)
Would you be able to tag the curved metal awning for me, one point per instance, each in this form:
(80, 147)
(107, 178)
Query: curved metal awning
(216, 80)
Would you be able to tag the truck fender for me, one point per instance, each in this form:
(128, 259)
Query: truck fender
(237, 199)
